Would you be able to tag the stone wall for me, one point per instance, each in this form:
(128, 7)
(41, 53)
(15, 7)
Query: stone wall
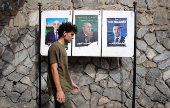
(104, 82)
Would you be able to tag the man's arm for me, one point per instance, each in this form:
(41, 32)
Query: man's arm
(75, 87)
(60, 94)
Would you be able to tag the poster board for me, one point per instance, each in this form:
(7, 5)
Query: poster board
(118, 34)
(87, 41)
(50, 20)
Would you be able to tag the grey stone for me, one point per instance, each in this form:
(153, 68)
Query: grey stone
(2, 94)
(2, 48)
(16, 46)
(141, 45)
(77, 70)
(145, 102)
(22, 31)
(90, 70)
(1, 64)
(118, 75)
(149, 90)
(7, 69)
(23, 70)
(150, 38)
(2, 81)
(8, 55)
(166, 43)
(65, 5)
(94, 99)
(164, 64)
(31, 28)
(149, 64)
(140, 82)
(33, 18)
(27, 40)
(161, 3)
(141, 59)
(127, 63)
(19, 20)
(85, 80)
(168, 83)
(103, 100)
(96, 61)
(34, 73)
(103, 83)
(44, 98)
(33, 104)
(128, 104)
(8, 86)
(86, 92)
(20, 87)
(33, 50)
(86, 2)
(84, 60)
(113, 104)
(15, 37)
(96, 88)
(152, 75)
(7, 31)
(13, 96)
(101, 74)
(114, 94)
(15, 76)
(161, 57)
(28, 63)
(31, 4)
(75, 79)
(33, 34)
(129, 3)
(72, 60)
(78, 99)
(26, 96)
(44, 67)
(160, 16)
(85, 105)
(5, 102)
(2, 33)
(35, 92)
(125, 85)
(26, 80)
(13, 32)
(111, 83)
(94, 5)
(161, 28)
(158, 97)
(129, 92)
(151, 4)
(160, 35)
(140, 70)
(77, 3)
(158, 47)
(43, 83)
(158, 105)
(4, 41)
(162, 87)
(150, 53)
(146, 19)
(104, 64)
(167, 104)
(19, 57)
(35, 58)
(141, 4)
(114, 63)
(168, 4)
(166, 75)
(45, 76)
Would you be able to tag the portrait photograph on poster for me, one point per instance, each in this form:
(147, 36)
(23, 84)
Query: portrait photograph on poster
(50, 22)
(87, 41)
(116, 31)
(118, 34)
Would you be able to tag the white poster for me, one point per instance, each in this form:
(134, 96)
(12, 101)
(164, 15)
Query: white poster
(118, 34)
(87, 41)
(50, 21)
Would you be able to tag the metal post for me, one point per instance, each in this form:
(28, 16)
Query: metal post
(134, 67)
(39, 60)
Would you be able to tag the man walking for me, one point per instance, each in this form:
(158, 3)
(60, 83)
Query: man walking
(59, 81)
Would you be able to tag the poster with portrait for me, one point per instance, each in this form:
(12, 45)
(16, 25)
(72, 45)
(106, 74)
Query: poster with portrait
(87, 41)
(118, 34)
(50, 22)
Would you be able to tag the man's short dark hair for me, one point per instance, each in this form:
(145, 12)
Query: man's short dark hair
(68, 27)
(116, 25)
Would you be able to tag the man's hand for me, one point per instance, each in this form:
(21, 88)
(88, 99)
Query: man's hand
(60, 96)
(75, 88)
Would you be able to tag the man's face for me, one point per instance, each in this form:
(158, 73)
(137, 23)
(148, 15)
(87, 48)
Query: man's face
(116, 30)
(69, 36)
(87, 28)
(56, 24)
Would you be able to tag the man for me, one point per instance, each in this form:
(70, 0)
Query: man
(85, 36)
(117, 37)
(53, 35)
(59, 81)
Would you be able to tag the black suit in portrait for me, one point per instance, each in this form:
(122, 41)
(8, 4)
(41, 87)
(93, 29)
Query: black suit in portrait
(50, 38)
(112, 42)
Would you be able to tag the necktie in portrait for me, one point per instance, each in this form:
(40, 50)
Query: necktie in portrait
(56, 37)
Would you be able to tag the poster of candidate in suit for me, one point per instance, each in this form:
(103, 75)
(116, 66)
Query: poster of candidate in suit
(116, 31)
(118, 34)
(87, 41)
(50, 22)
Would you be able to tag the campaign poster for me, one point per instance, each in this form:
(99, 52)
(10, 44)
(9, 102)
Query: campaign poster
(51, 34)
(87, 30)
(116, 32)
